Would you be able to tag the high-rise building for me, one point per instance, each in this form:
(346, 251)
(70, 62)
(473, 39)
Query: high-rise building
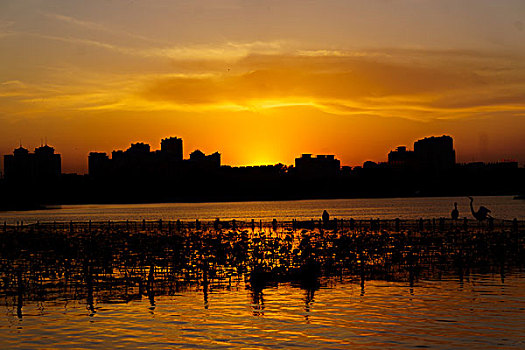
(321, 165)
(139, 162)
(138, 149)
(401, 157)
(42, 165)
(172, 146)
(19, 165)
(98, 164)
(435, 153)
(48, 164)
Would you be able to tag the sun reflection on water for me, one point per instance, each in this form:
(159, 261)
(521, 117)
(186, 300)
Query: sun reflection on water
(480, 312)
(137, 285)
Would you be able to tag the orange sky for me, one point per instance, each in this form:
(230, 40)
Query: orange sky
(263, 81)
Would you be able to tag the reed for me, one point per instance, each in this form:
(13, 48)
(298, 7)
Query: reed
(118, 261)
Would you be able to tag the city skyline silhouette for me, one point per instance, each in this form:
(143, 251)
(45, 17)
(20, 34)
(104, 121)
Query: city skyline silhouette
(397, 155)
(138, 174)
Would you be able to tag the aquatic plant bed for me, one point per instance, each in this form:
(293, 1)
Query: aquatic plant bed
(125, 260)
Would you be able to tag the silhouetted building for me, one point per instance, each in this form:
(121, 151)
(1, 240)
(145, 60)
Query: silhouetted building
(138, 162)
(19, 165)
(42, 165)
(48, 165)
(436, 153)
(197, 156)
(321, 165)
(401, 157)
(370, 165)
(138, 149)
(492, 166)
(98, 164)
(173, 147)
(506, 164)
(117, 155)
(211, 160)
(140, 175)
(430, 153)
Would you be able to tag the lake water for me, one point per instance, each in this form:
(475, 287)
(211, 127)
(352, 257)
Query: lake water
(94, 295)
(502, 207)
(481, 312)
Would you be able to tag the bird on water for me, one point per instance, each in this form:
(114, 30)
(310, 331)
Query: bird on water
(455, 212)
(482, 212)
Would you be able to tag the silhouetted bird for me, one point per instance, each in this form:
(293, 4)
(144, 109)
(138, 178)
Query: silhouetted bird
(326, 218)
(482, 212)
(455, 212)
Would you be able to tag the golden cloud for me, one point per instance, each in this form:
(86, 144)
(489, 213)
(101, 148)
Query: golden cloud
(349, 84)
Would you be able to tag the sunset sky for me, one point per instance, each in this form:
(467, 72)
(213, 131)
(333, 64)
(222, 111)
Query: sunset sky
(263, 81)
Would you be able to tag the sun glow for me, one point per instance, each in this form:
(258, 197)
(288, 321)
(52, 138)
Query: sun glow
(260, 160)
(97, 77)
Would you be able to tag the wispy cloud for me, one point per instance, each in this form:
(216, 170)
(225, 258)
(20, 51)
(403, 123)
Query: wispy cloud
(79, 41)
(217, 53)
(221, 52)
(98, 27)
(152, 47)
(350, 84)
(263, 76)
